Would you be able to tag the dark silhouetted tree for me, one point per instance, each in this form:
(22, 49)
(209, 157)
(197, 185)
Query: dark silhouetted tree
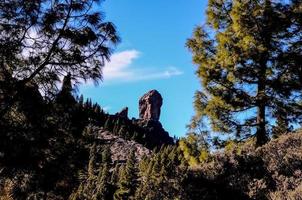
(42, 40)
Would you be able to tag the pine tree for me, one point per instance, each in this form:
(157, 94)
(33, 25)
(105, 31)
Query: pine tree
(103, 185)
(81, 100)
(127, 181)
(162, 178)
(115, 173)
(193, 149)
(96, 185)
(33, 42)
(49, 25)
(106, 155)
(248, 63)
(92, 159)
(282, 124)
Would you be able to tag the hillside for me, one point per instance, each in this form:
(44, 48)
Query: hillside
(244, 172)
(71, 149)
(239, 172)
(58, 140)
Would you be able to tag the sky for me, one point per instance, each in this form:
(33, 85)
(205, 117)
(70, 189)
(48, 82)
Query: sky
(152, 55)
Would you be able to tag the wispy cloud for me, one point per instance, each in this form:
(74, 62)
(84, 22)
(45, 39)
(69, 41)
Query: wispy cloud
(121, 69)
(106, 108)
(119, 64)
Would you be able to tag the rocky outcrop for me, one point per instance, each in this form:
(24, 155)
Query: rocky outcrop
(147, 130)
(149, 105)
(149, 133)
(121, 148)
(123, 113)
(154, 132)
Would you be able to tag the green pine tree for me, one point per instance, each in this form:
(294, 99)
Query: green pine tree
(128, 179)
(248, 63)
(103, 184)
(162, 179)
(96, 184)
(106, 155)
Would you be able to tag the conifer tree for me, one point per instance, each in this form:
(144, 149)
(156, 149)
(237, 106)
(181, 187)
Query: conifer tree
(103, 185)
(43, 40)
(115, 173)
(81, 100)
(128, 178)
(96, 184)
(106, 155)
(248, 62)
(193, 149)
(282, 124)
(162, 178)
(34, 36)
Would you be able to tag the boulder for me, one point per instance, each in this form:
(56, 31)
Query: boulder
(149, 105)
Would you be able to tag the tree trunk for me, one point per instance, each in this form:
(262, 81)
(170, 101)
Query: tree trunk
(261, 136)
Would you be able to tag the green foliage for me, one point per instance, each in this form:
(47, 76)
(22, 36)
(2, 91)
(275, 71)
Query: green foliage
(72, 163)
(103, 186)
(106, 155)
(127, 180)
(248, 64)
(161, 176)
(96, 183)
(194, 150)
(58, 142)
(244, 172)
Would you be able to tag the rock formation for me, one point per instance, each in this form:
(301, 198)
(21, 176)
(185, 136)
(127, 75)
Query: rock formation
(121, 148)
(123, 113)
(149, 105)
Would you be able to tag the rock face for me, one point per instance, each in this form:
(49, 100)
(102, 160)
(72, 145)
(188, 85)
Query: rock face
(123, 113)
(149, 105)
(121, 148)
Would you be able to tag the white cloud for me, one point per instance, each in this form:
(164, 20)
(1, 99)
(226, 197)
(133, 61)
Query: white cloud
(119, 63)
(121, 69)
(106, 108)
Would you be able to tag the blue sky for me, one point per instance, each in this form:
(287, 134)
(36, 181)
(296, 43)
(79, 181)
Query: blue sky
(152, 55)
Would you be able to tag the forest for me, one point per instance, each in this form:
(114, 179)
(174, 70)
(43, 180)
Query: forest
(57, 144)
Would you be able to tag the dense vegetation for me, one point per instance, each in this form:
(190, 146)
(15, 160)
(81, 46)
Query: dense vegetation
(67, 161)
(49, 146)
